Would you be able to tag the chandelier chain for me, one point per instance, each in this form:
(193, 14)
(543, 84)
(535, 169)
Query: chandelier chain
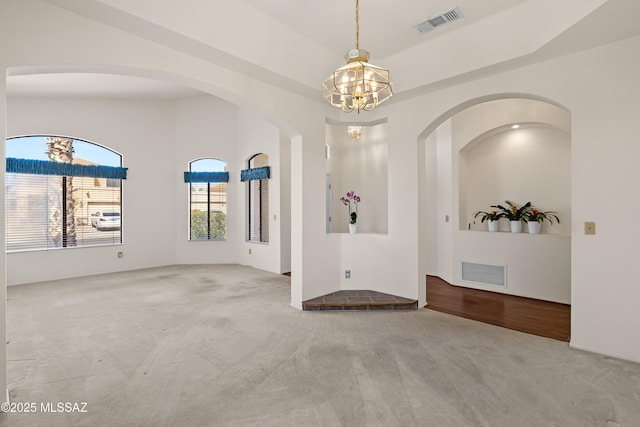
(358, 24)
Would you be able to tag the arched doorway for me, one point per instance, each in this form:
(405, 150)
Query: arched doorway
(472, 158)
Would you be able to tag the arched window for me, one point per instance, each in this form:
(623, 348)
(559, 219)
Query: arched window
(208, 202)
(62, 192)
(258, 202)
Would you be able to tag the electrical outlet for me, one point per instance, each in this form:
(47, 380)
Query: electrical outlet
(347, 274)
(446, 218)
(590, 228)
(119, 254)
(249, 251)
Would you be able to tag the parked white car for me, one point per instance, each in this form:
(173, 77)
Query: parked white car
(104, 220)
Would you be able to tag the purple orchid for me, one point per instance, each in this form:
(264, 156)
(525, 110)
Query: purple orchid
(351, 196)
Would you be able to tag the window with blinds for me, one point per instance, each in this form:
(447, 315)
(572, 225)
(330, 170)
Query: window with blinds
(258, 203)
(47, 211)
(207, 203)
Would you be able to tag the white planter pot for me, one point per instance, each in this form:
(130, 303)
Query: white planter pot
(353, 228)
(493, 225)
(534, 227)
(516, 226)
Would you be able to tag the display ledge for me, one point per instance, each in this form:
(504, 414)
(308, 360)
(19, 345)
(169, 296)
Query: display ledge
(510, 232)
(357, 234)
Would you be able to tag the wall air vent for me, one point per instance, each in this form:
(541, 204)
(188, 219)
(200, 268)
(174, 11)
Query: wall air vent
(436, 21)
(486, 274)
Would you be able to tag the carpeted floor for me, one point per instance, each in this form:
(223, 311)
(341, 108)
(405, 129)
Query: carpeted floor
(220, 346)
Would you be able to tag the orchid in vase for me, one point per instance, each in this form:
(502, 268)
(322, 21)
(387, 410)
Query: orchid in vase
(351, 197)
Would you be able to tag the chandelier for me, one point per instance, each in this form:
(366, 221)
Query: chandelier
(358, 85)
(354, 132)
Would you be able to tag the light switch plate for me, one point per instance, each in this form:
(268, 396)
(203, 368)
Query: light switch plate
(590, 228)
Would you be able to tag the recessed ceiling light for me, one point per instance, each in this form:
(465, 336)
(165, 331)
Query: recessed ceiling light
(515, 126)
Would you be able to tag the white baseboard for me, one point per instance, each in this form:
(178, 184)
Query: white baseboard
(603, 353)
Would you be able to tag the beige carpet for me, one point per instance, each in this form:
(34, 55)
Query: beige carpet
(220, 346)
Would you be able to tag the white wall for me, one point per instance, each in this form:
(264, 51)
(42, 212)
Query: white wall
(143, 132)
(206, 127)
(600, 88)
(385, 262)
(445, 196)
(256, 135)
(285, 204)
(605, 178)
(211, 127)
(537, 265)
(521, 165)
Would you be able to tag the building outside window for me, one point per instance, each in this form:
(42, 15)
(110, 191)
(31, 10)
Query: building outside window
(55, 211)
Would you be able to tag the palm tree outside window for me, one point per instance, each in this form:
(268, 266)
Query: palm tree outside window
(55, 211)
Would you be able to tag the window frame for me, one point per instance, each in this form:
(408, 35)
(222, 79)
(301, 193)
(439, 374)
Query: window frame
(82, 239)
(209, 237)
(262, 186)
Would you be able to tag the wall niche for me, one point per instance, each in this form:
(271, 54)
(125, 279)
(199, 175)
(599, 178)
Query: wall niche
(524, 159)
(358, 165)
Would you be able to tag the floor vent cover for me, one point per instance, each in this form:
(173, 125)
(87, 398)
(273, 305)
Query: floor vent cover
(487, 274)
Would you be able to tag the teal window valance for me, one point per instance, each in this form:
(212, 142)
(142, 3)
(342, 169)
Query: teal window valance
(255, 174)
(44, 167)
(206, 177)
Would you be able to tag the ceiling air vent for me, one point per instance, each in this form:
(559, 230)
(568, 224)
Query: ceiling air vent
(439, 20)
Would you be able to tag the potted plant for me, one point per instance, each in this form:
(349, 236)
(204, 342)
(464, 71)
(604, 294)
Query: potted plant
(491, 218)
(350, 197)
(516, 215)
(535, 218)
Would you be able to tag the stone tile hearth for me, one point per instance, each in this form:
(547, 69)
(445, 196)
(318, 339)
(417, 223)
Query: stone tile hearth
(359, 300)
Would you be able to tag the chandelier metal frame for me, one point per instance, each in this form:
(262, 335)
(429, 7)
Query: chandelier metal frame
(358, 85)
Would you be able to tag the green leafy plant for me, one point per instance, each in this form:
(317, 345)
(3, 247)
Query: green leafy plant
(512, 212)
(487, 216)
(216, 229)
(535, 215)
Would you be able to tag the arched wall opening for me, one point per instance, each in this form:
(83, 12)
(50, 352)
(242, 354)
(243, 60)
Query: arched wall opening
(282, 134)
(472, 158)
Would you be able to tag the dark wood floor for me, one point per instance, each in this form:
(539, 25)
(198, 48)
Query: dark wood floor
(544, 318)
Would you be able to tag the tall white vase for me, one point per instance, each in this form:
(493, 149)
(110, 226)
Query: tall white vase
(516, 226)
(353, 228)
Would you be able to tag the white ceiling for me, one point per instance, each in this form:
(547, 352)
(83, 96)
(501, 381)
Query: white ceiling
(94, 85)
(385, 27)
(265, 39)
